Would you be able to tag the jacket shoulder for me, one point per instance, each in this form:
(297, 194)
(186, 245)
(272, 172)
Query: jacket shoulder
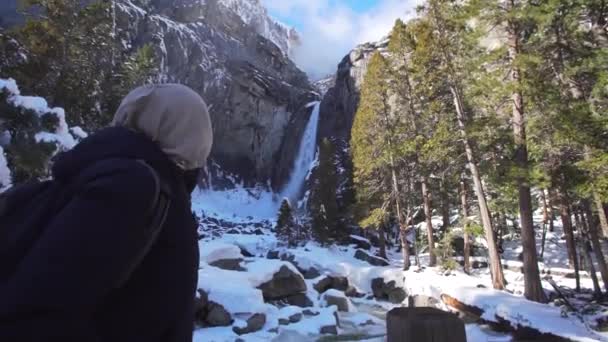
(120, 179)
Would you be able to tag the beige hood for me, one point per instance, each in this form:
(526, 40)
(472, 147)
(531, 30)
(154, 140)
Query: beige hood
(173, 116)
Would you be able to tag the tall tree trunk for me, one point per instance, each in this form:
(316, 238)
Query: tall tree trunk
(551, 214)
(498, 278)
(445, 206)
(465, 215)
(426, 202)
(405, 249)
(533, 289)
(564, 209)
(382, 240)
(597, 291)
(601, 213)
(545, 222)
(595, 243)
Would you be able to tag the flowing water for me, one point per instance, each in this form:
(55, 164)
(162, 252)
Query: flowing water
(304, 158)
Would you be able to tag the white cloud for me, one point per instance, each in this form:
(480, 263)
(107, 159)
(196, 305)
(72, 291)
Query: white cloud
(330, 29)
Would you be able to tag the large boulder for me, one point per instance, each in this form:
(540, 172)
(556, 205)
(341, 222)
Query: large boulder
(372, 260)
(284, 283)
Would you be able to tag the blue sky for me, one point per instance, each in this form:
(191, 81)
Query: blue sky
(295, 20)
(329, 29)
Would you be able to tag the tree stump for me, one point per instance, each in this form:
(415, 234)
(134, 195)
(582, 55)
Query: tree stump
(424, 325)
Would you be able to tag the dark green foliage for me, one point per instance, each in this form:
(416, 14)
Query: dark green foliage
(286, 229)
(74, 58)
(326, 221)
(26, 157)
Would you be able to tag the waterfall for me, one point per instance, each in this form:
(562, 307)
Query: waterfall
(304, 158)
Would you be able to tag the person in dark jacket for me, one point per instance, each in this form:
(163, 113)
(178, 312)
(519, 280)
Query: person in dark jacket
(69, 287)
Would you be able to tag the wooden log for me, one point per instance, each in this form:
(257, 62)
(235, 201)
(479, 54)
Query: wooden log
(424, 324)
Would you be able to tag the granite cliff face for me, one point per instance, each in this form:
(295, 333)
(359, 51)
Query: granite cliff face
(237, 57)
(341, 101)
(256, 94)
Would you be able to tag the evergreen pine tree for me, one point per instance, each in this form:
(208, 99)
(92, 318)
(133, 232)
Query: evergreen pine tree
(286, 230)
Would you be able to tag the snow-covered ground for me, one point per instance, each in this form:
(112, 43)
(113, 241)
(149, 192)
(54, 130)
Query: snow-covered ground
(238, 290)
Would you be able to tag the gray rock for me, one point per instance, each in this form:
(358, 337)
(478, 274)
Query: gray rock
(246, 253)
(233, 231)
(283, 321)
(351, 291)
(254, 323)
(284, 283)
(217, 315)
(309, 312)
(360, 242)
(300, 300)
(378, 288)
(397, 296)
(331, 282)
(341, 302)
(200, 307)
(479, 264)
(228, 264)
(323, 285)
(339, 283)
(311, 273)
(423, 301)
(272, 255)
(329, 329)
(295, 318)
(372, 260)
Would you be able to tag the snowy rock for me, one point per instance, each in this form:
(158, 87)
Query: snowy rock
(352, 291)
(254, 323)
(423, 301)
(212, 251)
(372, 260)
(300, 299)
(311, 273)
(273, 255)
(331, 282)
(295, 318)
(228, 264)
(329, 329)
(388, 291)
(360, 242)
(337, 298)
(284, 283)
(397, 296)
(217, 315)
(378, 288)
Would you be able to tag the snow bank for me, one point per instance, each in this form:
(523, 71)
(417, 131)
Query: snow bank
(236, 204)
(519, 311)
(254, 244)
(5, 173)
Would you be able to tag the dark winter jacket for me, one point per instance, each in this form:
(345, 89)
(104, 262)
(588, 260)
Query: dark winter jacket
(66, 288)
